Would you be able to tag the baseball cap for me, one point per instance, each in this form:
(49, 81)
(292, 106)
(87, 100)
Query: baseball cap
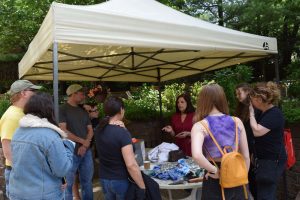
(21, 85)
(73, 88)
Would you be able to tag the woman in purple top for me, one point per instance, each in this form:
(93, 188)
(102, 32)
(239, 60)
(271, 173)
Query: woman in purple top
(212, 110)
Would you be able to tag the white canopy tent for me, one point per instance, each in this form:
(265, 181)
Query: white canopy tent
(133, 40)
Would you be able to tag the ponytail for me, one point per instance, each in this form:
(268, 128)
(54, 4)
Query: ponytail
(102, 123)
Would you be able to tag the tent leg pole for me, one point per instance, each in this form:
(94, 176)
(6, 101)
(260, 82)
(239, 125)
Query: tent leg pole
(160, 101)
(55, 81)
(277, 69)
(160, 104)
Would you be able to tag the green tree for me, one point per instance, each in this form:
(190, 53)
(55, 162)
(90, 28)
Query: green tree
(228, 78)
(272, 18)
(20, 21)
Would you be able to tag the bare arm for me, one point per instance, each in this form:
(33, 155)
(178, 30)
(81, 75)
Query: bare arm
(89, 136)
(71, 135)
(7, 149)
(244, 150)
(85, 142)
(197, 135)
(258, 130)
(132, 166)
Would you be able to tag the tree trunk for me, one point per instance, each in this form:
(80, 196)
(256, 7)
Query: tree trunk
(220, 13)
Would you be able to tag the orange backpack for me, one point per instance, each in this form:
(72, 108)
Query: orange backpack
(233, 170)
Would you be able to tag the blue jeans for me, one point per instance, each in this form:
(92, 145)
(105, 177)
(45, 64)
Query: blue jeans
(6, 176)
(84, 165)
(114, 189)
(267, 178)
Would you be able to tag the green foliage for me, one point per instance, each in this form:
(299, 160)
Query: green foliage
(228, 78)
(291, 110)
(143, 104)
(170, 94)
(4, 104)
(195, 89)
(293, 79)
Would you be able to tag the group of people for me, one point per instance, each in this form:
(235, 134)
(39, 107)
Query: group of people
(43, 156)
(260, 131)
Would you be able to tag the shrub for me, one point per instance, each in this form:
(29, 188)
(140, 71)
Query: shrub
(228, 78)
(169, 95)
(293, 79)
(143, 104)
(4, 104)
(195, 89)
(291, 110)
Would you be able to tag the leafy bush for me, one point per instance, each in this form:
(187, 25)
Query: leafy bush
(143, 104)
(4, 104)
(228, 78)
(293, 79)
(196, 88)
(169, 95)
(291, 110)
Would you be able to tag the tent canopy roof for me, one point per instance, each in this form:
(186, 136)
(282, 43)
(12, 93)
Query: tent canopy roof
(134, 40)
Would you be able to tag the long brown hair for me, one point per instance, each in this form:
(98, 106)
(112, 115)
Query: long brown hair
(211, 95)
(242, 108)
(189, 106)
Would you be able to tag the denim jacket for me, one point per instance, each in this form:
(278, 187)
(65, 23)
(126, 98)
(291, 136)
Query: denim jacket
(40, 158)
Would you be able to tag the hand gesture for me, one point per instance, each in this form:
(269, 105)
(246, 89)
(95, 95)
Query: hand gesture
(183, 134)
(168, 129)
(86, 143)
(81, 151)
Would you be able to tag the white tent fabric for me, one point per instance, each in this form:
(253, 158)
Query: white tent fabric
(134, 40)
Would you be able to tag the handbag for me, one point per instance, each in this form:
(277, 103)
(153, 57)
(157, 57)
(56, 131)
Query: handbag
(175, 155)
(288, 143)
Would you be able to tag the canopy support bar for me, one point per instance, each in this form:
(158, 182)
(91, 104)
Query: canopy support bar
(55, 80)
(276, 68)
(159, 92)
(160, 102)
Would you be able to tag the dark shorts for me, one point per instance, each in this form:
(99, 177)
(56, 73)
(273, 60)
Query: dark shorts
(211, 190)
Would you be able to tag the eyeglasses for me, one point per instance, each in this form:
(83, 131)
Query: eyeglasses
(90, 111)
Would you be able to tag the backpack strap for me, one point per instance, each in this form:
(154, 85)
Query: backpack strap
(212, 137)
(236, 135)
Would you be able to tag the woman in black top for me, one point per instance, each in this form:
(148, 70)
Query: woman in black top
(115, 152)
(268, 129)
(242, 92)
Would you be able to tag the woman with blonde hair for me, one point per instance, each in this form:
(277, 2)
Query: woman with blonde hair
(212, 111)
(268, 127)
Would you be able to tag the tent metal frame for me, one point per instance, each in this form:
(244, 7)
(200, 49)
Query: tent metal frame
(135, 69)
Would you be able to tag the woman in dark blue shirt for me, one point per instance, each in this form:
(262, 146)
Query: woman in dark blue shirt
(268, 129)
(115, 152)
